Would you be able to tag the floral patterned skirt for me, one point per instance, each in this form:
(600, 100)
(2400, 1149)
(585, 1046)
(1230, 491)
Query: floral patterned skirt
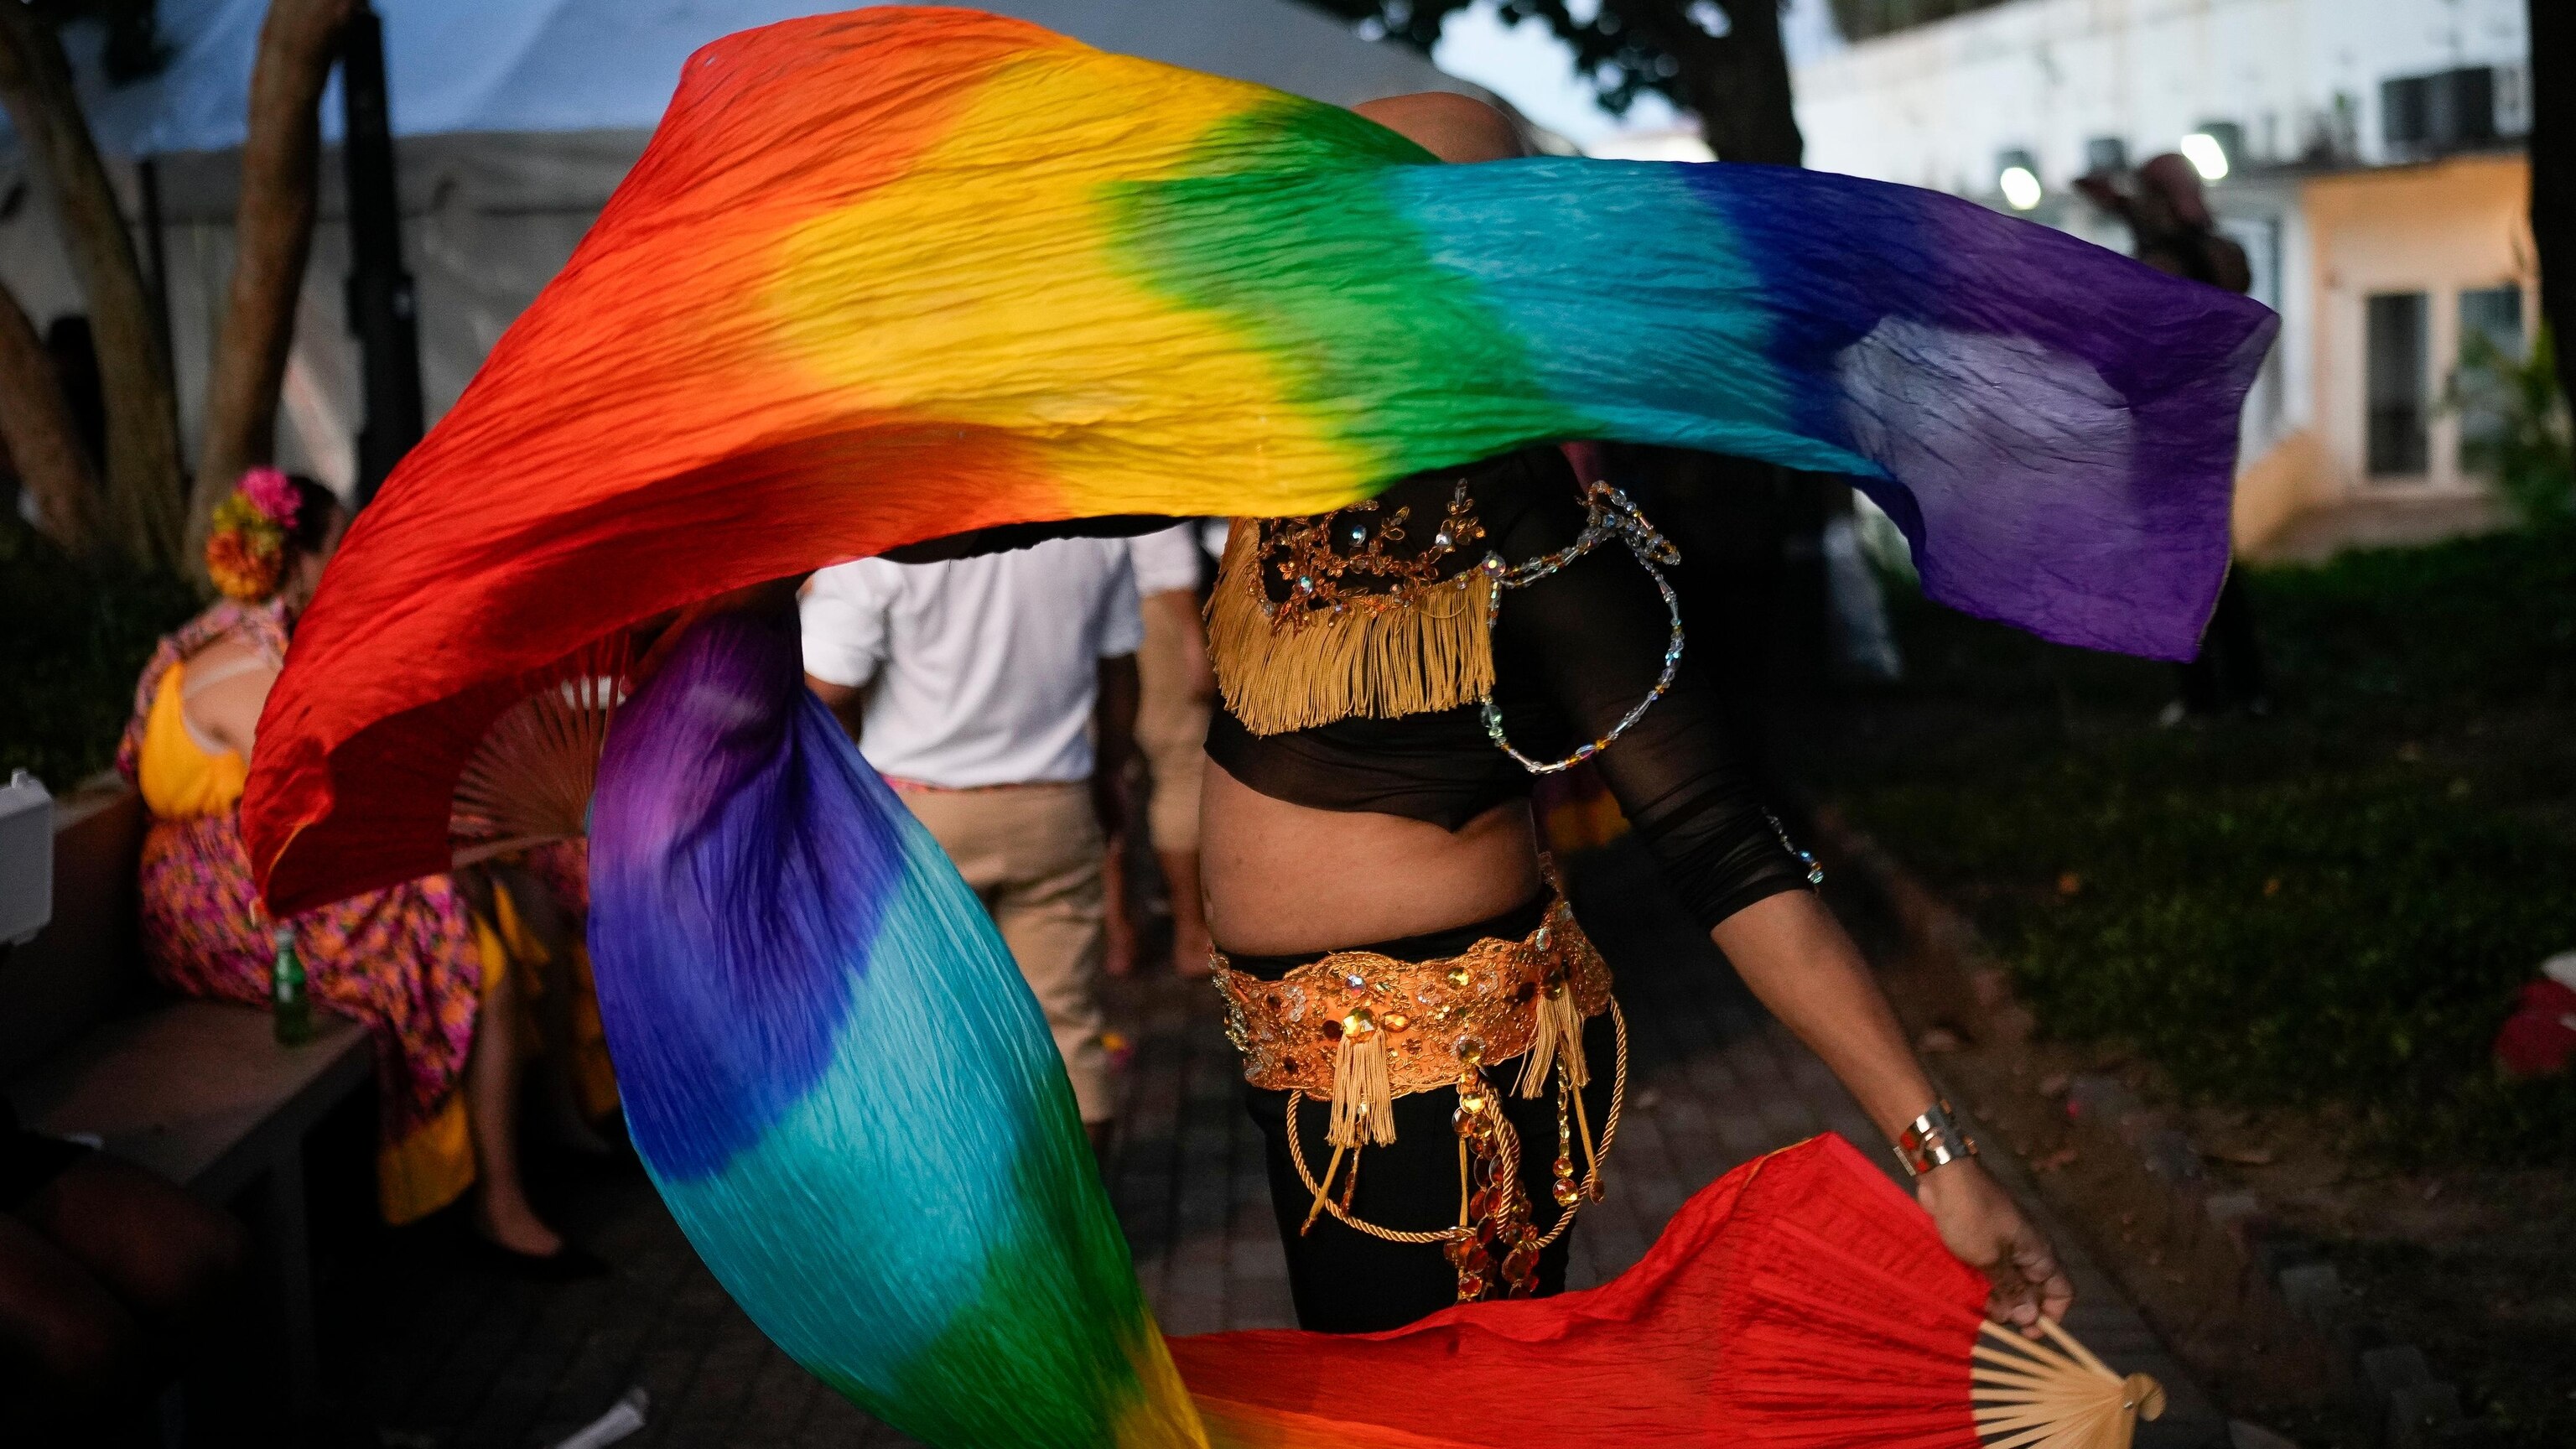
(406, 961)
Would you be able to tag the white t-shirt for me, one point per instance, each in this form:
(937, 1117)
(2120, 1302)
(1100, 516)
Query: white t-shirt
(1166, 561)
(980, 671)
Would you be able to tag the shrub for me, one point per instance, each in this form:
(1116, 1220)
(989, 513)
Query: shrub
(2517, 424)
(2333, 905)
(76, 638)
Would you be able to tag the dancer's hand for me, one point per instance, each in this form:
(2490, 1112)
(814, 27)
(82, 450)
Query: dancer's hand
(1981, 1224)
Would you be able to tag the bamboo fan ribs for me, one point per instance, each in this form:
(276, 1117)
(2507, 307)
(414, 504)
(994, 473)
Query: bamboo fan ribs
(1849, 1324)
(529, 781)
(2054, 1394)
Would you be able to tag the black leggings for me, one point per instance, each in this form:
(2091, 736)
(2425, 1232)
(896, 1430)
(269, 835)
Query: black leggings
(1345, 1281)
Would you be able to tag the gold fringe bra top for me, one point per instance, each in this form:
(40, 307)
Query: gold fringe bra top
(1428, 653)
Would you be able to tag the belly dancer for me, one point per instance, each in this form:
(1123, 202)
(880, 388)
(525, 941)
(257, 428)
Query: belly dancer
(1429, 1038)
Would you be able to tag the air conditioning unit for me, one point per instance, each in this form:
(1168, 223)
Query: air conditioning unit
(2448, 110)
(26, 859)
(2513, 100)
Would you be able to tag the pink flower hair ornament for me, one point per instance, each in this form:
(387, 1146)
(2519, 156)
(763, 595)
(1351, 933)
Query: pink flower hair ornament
(246, 550)
(269, 491)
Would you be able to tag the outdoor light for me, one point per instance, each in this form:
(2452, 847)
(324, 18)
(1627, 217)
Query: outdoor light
(2020, 187)
(2207, 155)
(2017, 177)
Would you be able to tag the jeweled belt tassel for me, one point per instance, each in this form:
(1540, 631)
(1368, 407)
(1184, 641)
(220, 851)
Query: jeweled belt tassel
(1559, 1030)
(1363, 1101)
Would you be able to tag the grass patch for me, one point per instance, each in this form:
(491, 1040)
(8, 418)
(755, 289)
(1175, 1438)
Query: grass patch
(77, 637)
(2332, 905)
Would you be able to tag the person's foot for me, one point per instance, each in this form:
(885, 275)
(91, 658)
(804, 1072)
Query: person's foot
(566, 1264)
(514, 1228)
(515, 1240)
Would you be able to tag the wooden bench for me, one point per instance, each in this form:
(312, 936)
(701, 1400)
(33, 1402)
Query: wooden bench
(199, 1092)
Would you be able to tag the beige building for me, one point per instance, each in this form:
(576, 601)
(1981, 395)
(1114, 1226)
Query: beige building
(2371, 168)
(2399, 265)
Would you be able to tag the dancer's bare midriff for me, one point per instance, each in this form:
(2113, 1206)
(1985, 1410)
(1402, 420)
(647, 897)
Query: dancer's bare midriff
(1284, 879)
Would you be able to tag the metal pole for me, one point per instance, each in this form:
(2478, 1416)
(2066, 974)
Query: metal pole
(382, 306)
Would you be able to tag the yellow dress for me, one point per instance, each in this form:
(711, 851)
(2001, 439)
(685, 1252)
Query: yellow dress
(182, 777)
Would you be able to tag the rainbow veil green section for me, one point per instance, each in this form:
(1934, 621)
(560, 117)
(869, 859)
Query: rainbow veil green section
(898, 274)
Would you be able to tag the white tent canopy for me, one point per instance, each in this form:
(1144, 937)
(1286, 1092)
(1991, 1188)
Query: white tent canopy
(609, 65)
(517, 118)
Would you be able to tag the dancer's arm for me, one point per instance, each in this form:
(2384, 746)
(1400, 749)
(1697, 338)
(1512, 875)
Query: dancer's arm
(1794, 955)
(1593, 635)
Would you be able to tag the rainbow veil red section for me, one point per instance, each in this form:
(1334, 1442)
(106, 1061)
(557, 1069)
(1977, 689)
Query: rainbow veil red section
(1800, 1300)
(898, 274)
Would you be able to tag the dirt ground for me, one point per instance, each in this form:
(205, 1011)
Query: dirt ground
(2475, 1266)
(2429, 679)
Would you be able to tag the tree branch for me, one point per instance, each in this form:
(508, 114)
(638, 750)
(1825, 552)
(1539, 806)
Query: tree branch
(36, 423)
(143, 462)
(273, 235)
(1737, 83)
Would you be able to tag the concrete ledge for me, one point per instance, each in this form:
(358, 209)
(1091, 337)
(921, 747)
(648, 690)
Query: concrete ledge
(199, 1092)
(85, 964)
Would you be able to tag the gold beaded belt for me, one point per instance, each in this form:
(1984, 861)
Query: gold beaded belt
(1358, 1029)
(1495, 1001)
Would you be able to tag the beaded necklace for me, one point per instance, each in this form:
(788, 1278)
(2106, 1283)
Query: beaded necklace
(1609, 514)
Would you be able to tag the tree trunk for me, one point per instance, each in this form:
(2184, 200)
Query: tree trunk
(1737, 82)
(36, 423)
(144, 468)
(273, 237)
(2553, 174)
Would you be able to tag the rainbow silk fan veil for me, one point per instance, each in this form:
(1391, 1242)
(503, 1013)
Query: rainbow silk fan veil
(899, 274)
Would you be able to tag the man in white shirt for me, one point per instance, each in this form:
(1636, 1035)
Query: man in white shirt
(975, 686)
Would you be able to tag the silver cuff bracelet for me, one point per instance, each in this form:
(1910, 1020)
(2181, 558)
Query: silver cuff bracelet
(1932, 1140)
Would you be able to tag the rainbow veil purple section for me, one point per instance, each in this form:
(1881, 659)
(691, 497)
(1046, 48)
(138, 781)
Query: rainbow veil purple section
(901, 273)
(837, 1078)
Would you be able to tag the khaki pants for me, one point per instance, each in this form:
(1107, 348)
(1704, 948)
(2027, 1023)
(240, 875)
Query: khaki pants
(1171, 732)
(1033, 853)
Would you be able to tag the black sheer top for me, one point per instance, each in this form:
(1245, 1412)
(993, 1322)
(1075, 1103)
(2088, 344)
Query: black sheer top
(1573, 653)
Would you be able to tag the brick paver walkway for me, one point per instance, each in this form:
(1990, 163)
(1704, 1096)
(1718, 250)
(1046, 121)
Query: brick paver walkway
(459, 1358)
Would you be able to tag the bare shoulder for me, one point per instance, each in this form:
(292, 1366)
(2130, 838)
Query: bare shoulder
(227, 686)
(231, 654)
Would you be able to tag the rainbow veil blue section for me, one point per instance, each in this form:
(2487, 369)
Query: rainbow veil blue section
(839, 1081)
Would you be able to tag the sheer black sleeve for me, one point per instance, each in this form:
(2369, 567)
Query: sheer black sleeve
(1575, 651)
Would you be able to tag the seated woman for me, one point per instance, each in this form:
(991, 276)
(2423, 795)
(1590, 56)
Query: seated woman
(426, 972)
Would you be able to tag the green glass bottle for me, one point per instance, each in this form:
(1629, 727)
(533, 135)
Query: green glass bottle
(286, 993)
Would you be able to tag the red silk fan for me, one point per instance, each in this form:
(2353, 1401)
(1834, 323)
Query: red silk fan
(1800, 1302)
